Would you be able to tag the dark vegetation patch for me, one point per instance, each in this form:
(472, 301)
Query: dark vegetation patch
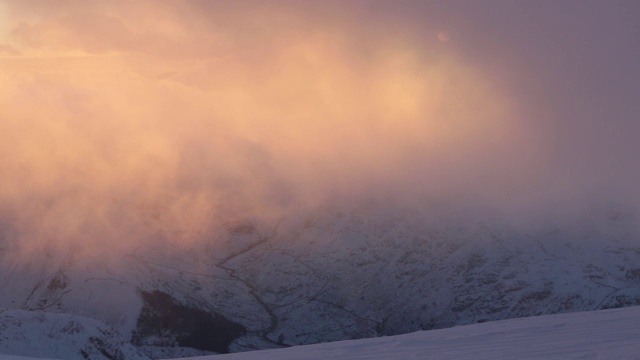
(165, 322)
(633, 274)
(240, 228)
(535, 296)
(622, 300)
(98, 348)
(58, 282)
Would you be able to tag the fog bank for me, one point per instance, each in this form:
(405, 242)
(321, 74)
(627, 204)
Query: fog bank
(123, 121)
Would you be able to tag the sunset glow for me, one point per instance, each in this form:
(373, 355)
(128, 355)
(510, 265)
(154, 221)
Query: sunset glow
(191, 111)
(186, 178)
(110, 109)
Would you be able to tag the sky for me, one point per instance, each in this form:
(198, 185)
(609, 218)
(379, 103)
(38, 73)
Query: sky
(120, 114)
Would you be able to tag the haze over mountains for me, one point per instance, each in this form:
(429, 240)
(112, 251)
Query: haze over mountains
(288, 172)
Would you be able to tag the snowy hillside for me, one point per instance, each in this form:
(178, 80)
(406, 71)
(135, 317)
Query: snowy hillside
(606, 334)
(60, 336)
(319, 277)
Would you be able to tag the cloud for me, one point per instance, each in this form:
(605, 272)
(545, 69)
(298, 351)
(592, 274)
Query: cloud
(124, 122)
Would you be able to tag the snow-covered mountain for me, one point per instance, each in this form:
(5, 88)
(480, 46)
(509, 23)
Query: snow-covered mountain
(610, 334)
(61, 336)
(604, 334)
(316, 277)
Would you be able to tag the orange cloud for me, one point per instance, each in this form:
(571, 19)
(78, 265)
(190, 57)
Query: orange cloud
(126, 122)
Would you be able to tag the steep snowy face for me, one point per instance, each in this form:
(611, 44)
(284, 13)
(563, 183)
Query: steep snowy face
(328, 275)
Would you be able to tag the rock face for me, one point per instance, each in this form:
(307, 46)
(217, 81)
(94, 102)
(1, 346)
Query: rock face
(329, 276)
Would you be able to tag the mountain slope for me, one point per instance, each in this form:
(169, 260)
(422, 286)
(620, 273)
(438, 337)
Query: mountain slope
(326, 276)
(606, 334)
(61, 336)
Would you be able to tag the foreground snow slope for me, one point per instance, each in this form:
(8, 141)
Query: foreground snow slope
(37, 334)
(606, 334)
